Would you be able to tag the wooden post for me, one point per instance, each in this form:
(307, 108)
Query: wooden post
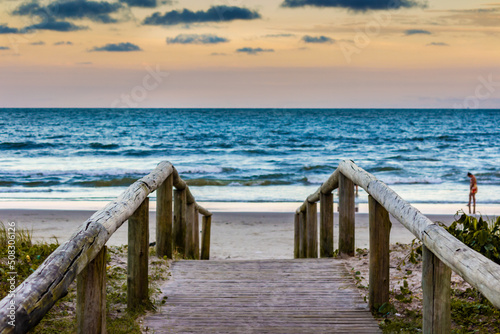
(312, 230)
(138, 247)
(346, 216)
(326, 225)
(179, 230)
(196, 234)
(302, 232)
(91, 296)
(380, 230)
(164, 218)
(436, 286)
(296, 236)
(206, 225)
(189, 252)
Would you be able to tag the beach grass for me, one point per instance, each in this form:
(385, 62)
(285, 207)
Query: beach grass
(62, 317)
(28, 254)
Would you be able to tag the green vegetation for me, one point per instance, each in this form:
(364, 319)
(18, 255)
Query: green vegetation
(62, 317)
(481, 236)
(471, 312)
(26, 258)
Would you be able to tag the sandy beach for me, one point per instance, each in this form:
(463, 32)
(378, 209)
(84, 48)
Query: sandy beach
(252, 234)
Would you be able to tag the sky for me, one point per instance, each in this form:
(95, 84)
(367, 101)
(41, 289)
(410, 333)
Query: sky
(261, 53)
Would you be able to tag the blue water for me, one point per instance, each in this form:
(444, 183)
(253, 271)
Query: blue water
(247, 154)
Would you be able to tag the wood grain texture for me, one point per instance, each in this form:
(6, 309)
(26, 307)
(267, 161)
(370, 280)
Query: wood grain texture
(346, 215)
(380, 230)
(164, 219)
(206, 222)
(326, 225)
(138, 254)
(266, 296)
(436, 286)
(49, 283)
(179, 228)
(312, 230)
(91, 296)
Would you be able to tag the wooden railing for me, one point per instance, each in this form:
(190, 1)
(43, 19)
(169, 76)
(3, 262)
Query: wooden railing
(441, 251)
(83, 255)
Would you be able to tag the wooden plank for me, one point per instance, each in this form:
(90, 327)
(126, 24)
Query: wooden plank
(380, 229)
(205, 240)
(138, 249)
(346, 215)
(312, 230)
(264, 296)
(164, 243)
(326, 225)
(91, 296)
(436, 286)
(179, 230)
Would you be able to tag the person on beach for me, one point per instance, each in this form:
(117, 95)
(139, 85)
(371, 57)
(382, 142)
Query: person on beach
(473, 191)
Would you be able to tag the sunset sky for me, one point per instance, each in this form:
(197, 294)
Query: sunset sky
(261, 53)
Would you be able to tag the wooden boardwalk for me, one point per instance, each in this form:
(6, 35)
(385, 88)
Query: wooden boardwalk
(261, 296)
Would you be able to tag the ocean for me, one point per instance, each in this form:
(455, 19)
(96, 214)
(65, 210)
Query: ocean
(247, 155)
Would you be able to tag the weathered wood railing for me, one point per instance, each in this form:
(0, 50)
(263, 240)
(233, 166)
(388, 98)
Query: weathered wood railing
(441, 251)
(83, 255)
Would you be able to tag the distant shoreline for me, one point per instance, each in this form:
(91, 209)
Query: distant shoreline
(77, 205)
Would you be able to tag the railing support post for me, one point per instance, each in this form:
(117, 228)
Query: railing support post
(190, 217)
(164, 218)
(179, 221)
(436, 286)
(380, 229)
(196, 234)
(296, 236)
(138, 249)
(206, 225)
(91, 296)
(346, 216)
(302, 232)
(312, 230)
(326, 229)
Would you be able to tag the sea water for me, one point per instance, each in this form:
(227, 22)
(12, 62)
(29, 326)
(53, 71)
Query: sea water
(248, 155)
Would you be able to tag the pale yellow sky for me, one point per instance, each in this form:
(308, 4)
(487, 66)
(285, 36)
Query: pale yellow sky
(322, 57)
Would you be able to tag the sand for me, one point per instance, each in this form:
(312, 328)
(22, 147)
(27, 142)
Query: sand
(235, 235)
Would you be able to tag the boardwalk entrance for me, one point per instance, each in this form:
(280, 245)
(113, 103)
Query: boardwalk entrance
(262, 296)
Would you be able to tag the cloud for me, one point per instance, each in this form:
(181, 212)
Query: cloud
(253, 51)
(317, 39)
(121, 47)
(38, 43)
(61, 26)
(6, 30)
(196, 39)
(438, 44)
(417, 32)
(279, 35)
(4, 48)
(213, 14)
(72, 9)
(63, 43)
(145, 3)
(354, 5)
(218, 54)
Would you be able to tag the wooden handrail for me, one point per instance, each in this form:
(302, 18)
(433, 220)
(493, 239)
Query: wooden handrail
(475, 268)
(34, 297)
